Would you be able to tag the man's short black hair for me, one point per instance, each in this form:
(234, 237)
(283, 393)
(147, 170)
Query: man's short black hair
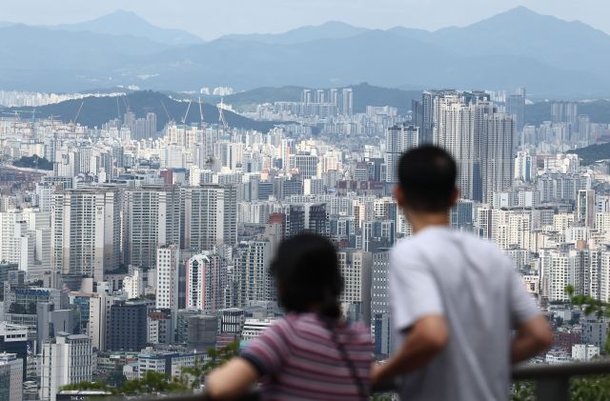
(427, 177)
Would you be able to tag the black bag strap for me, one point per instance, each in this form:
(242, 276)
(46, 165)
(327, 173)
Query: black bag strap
(331, 327)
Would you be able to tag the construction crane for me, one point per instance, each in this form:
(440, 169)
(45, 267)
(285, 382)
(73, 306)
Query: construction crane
(200, 113)
(74, 122)
(188, 108)
(169, 118)
(80, 108)
(221, 115)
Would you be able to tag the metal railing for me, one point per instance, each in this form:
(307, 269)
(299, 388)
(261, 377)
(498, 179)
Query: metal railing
(552, 382)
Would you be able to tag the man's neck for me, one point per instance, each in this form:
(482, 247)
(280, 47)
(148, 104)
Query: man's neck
(421, 221)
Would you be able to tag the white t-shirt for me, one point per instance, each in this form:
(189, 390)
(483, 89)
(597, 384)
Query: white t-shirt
(475, 286)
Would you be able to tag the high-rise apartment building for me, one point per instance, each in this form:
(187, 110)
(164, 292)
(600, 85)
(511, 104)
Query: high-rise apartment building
(133, 284)
(399, 138)
(563, 267)
(423, 113)
(515, 106)
(252, 276)
(356, 266)
(206, 282)
(496, 154)
(11, 377)
(564, 112)
(380, 303)
(168, 260)
(152, 219)
(585, 207)
(99, 306)
(481, 140)
(210, 216)
(306, 96)
(17, 239)
(312, 217)
(86, 232)
(458, 128)
(305, 163)
(128, 326)
(600, 277)
(347, 101)
(67, 359)
(14, 339)
(525, 167)
(316, 218)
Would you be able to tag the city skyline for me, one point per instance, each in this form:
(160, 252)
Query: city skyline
(150, 174)
(209, 20)
(150, 241)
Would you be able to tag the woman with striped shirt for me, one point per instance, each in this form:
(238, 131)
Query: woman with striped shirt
(312, 353)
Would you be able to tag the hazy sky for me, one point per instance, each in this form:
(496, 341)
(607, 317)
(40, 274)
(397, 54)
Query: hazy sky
(210, 19)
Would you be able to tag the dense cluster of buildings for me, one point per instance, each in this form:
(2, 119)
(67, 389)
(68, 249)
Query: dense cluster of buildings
(141, 250)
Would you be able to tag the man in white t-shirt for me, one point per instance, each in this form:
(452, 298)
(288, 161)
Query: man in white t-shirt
(458, 306)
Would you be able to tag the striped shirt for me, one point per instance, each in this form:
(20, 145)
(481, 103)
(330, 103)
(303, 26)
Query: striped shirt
(298, 360)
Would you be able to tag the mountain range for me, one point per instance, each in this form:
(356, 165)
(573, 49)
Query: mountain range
(548, 56)
(95, 111)
(128, 23)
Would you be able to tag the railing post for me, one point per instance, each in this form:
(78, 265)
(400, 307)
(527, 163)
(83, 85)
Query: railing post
(553, 389)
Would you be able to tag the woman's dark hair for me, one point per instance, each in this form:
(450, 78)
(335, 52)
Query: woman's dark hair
(306, 270)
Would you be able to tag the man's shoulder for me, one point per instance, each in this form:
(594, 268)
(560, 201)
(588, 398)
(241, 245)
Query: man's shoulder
(405, 247)
(481, 245)
(431, 243)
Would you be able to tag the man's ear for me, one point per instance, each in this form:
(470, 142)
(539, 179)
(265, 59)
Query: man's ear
(455, 195)
(399, 195)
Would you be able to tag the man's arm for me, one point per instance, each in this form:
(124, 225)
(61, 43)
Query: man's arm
(533, 332)
(533, 337)
(426, 339)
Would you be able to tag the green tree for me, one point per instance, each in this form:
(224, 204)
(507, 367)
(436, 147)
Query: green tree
(523, 391)
(591, 306)
(590, 388)
(153, 383)
(116, 378)
(596, 387)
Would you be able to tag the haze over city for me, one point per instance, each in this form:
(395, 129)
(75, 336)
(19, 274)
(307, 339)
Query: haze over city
(157, 158)
(212, 19)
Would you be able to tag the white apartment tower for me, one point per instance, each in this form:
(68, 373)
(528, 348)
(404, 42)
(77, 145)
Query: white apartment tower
(454, 130)
(86, 227)
(206, 281)
(497, 147)
(17, 241)
(356, 267)
(100, 304)
(481, 140)
(67, 359)
(347, 101)
(168, 260)
(210, 216)
(152, 219)
(252, 272)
